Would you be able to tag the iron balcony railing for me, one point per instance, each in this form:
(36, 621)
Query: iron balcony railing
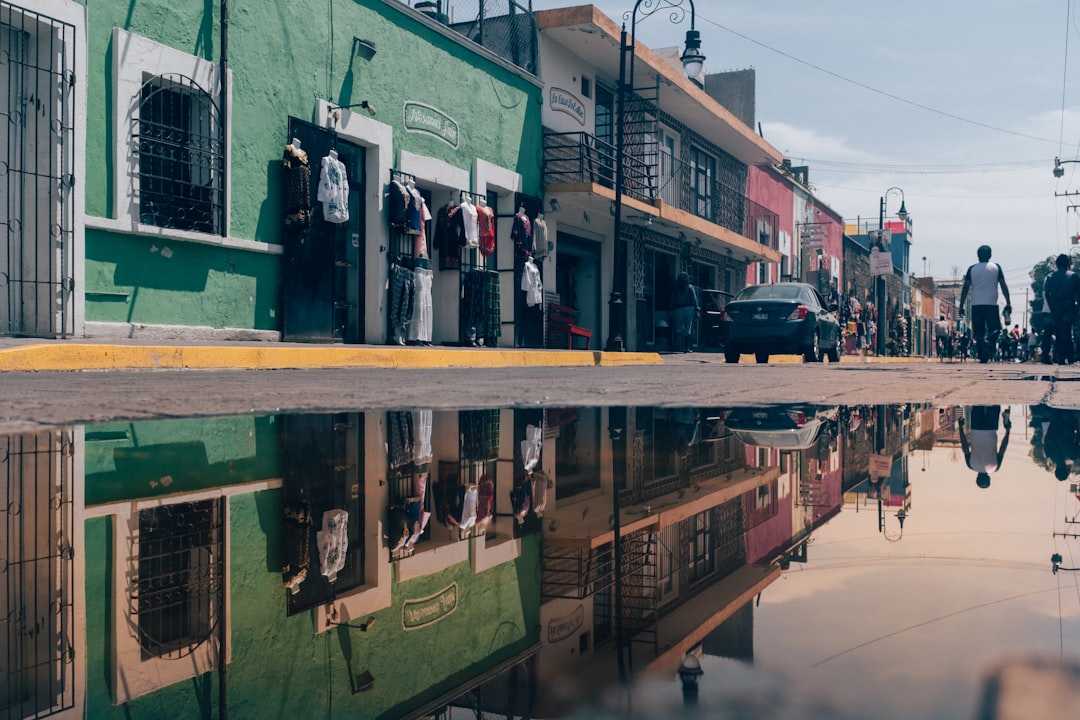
(505, 27)
(578, 157)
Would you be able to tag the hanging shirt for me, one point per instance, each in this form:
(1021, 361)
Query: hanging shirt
(333, 542)
(485, 219)
(521, 233)
(530, 283)
(297, 189)
(531, 446)
(414, 212)
(334, 190)
(539, 237)
(397, 205)
(469, 224)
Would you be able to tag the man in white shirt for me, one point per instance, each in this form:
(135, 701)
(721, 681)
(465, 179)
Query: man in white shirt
(982, 280)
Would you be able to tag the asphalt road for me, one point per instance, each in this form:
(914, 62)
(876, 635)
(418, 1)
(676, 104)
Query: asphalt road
(696, 379)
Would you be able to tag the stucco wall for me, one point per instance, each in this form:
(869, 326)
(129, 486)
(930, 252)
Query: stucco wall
(283, 56)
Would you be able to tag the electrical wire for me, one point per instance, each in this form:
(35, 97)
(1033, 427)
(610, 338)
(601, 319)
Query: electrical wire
(924, 623)
(1064, 74)
(878, 91)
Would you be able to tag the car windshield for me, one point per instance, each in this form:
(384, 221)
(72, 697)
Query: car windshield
(771, 292)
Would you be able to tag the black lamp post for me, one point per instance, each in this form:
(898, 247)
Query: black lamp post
(692, 60)
(882, 334)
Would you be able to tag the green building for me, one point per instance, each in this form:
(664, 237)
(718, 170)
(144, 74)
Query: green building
(146, 192)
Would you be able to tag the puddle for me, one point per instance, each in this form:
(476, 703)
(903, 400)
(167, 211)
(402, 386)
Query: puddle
(884, 561)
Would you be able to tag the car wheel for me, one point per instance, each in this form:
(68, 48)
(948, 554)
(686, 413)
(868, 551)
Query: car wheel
(731, 357)
(813, 352)
(761, 357)
(834, 352)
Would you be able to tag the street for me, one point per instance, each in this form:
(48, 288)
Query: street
(696, 379)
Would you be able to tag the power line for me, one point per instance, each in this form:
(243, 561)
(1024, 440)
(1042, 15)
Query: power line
(883, 93)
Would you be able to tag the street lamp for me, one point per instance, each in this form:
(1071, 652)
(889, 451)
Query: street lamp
(901, 515)
(882, 335)
(693, 60)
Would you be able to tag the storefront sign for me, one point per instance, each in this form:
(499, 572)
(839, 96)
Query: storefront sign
(563, 627)
(416, 614)
(880, 466)
(420, 118)
(563, 101)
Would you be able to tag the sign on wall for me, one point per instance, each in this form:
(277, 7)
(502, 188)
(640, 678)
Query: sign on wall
(567, 102)
(428, 120)
(416, 614)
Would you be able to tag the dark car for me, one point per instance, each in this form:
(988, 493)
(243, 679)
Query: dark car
(781, 319)
(792, 427)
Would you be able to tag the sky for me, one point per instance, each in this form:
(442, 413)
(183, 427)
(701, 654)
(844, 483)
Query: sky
(962, 105)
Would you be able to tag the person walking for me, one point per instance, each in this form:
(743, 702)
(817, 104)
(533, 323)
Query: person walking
(686, 307)
(943, 332)
(981, 450)
(982, 280)
(1061, 291)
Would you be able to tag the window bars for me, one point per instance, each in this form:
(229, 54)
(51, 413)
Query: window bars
(179, 140)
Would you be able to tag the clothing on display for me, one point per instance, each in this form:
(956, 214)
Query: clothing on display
(485, 218)
(421, 321)
(530, 283)
(334, 189)
(399, 438)
(421, 423)
(297, 188)
(397, 205)
(531, 447)
(296, 538)
(446, 240)
(401, 298)
(485, 502)
(333, 542)
(540, 237)
(521, 232)
(414, 210)
(469, 223)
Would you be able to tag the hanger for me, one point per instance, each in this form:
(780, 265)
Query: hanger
(295, 143)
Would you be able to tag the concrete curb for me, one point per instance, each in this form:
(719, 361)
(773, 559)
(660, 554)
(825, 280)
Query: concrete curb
(81, 356)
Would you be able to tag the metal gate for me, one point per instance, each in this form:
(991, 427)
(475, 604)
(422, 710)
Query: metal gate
(37, 180)
(37, 575)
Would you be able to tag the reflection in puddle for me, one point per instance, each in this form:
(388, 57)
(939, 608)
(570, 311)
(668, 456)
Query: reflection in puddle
(808, 560)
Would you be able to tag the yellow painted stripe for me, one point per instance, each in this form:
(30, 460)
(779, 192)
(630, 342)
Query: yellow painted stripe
(75, 356)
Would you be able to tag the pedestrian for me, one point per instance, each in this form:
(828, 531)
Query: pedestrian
(982, 280)
(981, 451)
(1061, 291)
(943, 333)
(686, 309)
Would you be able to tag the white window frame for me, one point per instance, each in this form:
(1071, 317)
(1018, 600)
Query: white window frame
(135, 59)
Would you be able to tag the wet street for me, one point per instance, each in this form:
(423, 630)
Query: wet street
(801, 541)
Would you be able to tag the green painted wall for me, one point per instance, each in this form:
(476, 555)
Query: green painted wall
(131, 461)
(283, 55)
(280, 668)
(145, 280)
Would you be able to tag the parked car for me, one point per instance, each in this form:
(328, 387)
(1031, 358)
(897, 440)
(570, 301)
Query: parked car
(780, 319)
(790, 427)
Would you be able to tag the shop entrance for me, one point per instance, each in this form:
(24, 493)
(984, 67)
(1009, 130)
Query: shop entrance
(323, 293)
(577, 279)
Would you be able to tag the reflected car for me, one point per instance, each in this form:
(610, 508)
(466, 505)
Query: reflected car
(780, 319)
(783, 428)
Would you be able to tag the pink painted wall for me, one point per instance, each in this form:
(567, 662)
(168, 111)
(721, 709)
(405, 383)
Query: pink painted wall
(770, 189)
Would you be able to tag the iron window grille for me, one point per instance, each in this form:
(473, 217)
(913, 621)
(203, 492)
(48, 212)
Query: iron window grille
(179, 139)
(177, 594)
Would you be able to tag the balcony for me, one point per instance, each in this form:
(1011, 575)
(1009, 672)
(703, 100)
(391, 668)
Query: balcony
(580, 158)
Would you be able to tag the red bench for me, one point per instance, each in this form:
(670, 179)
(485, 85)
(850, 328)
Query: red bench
(561, 322)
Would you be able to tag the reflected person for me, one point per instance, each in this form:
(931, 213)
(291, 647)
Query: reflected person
(981, 451)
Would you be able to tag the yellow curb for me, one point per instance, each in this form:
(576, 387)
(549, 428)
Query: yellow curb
(620, 359)
(49, 357)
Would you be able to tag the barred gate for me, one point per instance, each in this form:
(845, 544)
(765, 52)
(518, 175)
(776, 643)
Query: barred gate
(37, 575)
(37, 180)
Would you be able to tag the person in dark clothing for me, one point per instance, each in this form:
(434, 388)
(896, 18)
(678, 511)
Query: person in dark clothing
(1062, 292)
(686, 307)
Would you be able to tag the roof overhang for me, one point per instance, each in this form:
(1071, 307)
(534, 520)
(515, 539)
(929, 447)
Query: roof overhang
(595, 38)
